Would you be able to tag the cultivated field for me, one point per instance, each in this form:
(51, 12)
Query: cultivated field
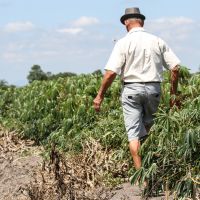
(86, 153)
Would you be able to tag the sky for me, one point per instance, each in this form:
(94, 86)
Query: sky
(79, 35)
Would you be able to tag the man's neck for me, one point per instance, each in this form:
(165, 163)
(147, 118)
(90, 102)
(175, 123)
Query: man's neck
(133, 26)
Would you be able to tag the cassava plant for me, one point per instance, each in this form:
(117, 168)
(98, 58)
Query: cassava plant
(60, 111)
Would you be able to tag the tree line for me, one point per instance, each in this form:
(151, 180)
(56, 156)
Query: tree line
(37, 74)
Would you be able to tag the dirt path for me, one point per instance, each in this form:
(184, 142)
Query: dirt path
(20, 162)
(130, 192)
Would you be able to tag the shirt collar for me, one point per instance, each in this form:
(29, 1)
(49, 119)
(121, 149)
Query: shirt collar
(136, 29)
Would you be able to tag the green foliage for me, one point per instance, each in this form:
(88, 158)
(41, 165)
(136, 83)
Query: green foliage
(171, 153)
(60, 75)
(61, 111)
(36, 73)
(97, 72)
(4, 85)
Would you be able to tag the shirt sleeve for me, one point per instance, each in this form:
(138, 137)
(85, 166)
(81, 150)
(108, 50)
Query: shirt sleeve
(117, 59)
(170, 60)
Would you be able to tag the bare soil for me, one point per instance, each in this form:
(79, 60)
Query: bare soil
(24, 175)
(18, 162)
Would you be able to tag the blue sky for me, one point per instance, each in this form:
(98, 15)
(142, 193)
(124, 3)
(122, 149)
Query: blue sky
(78, 36)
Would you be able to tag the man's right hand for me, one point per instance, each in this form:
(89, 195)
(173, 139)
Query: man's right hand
(108, 78)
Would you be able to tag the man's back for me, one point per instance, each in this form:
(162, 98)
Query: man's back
(141, 57)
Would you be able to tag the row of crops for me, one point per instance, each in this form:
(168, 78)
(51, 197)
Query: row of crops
(60, 111)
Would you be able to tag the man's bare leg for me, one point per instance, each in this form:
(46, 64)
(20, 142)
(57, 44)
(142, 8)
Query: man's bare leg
(134, 147)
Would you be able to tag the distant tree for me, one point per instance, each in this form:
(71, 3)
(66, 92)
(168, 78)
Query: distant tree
(49, 74)
(61, 74)
(3, 84)
(36, 73)
(97, 72)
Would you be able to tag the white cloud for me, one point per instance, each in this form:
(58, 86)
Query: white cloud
(171, 24)
(77, 25)
(175, 21)
(18, 27)
(12, 57)
(43, 54)
(72, 31)
(85, 21)
(172, 29)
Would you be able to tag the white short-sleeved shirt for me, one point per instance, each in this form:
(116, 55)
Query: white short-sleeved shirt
(140, 57)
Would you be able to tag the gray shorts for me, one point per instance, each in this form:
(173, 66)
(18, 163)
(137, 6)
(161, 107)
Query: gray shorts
(140, 102)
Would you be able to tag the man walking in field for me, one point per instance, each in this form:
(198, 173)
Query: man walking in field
(139, 58)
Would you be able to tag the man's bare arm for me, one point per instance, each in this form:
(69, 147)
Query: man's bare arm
(108, 78)
(174, 74)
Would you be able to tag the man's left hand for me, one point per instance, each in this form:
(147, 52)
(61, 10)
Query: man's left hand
(174, 85)
(97, 103)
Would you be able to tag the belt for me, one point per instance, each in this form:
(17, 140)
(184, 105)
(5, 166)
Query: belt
(126, 83)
